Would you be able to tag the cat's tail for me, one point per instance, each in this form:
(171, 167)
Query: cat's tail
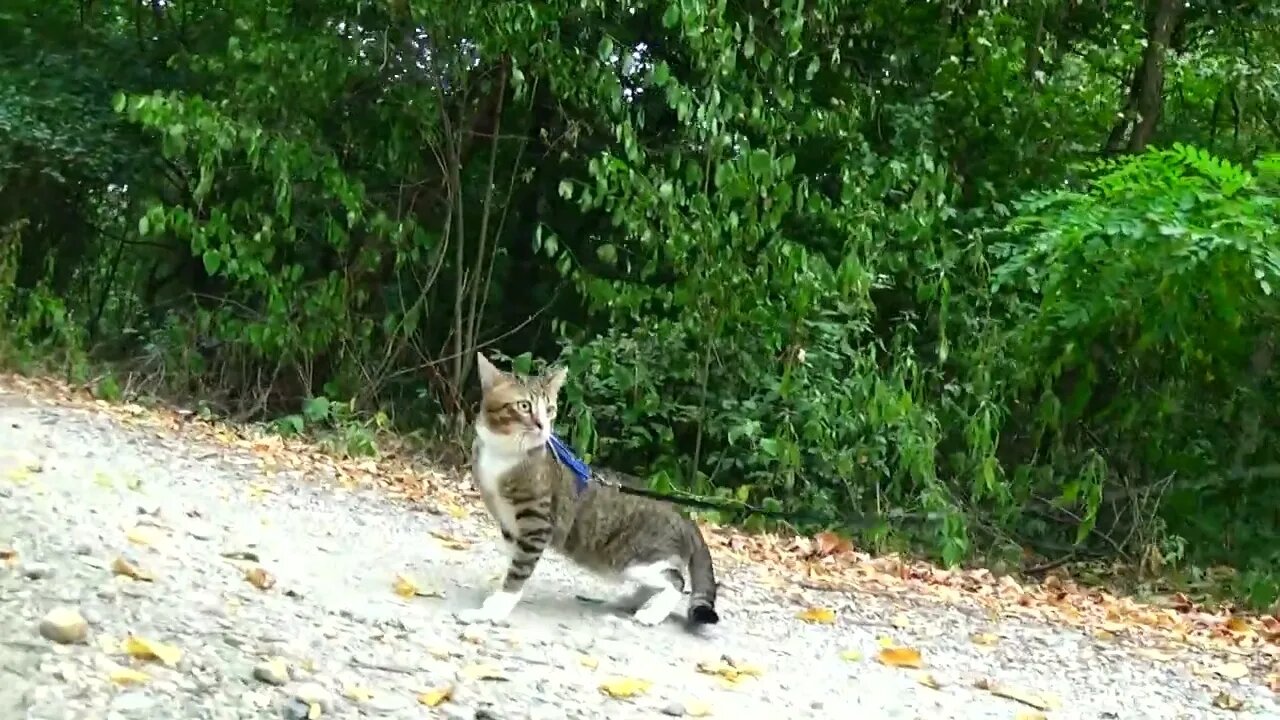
(702, 580)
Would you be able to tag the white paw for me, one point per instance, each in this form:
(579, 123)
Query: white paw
(658, 607)
(495, 608)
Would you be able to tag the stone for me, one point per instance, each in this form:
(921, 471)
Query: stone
(314, 693)
(271, 672)
(64, 625)
(674, 709)
(37, 570)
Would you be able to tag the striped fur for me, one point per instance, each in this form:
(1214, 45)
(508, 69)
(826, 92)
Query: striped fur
(535, 502)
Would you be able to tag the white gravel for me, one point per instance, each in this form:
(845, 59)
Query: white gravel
(72, 481)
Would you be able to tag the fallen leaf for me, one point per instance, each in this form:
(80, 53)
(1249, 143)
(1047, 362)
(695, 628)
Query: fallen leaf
(900, 621)
(121, 566)
(589, 662)
(1231, 670)
(985, 639)
(1039, 701)
(1237, 625)
(928, 680)
(829, 543)
(624, 687)
(1273, 682)
(144, 535)
(435, 696)
(1227, 702)
(314, 711)
(8, 554)
(404, 586)
(356, 693)
(826, 616)
(900, 657)
(730, 672)
(885, 641)
(482, 671)
(450, 541)
(694, 708)
(851, 655)
(1030, 715)
(128, 676)
(438, 652)
(145, 649)
(456, 511)
(259, 578)
(1157, 654)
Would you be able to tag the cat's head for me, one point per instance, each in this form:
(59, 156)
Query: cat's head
(517, 411)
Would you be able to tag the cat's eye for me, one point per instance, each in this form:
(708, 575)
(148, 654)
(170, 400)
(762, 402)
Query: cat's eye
(524, 406)
(551, 409)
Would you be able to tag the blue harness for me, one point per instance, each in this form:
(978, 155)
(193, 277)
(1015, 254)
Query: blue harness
(581, 473)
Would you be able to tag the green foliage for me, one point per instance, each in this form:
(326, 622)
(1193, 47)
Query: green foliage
(838, 259)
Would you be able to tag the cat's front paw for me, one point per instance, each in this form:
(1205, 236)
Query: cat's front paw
(495, 608)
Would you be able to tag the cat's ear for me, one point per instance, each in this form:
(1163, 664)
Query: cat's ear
(554, 380)
(488, 372)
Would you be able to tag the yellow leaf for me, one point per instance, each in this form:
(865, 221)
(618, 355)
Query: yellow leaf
(482, 671)
(128, 676)
(900, 657)
(1030, 715)
(404, 586)
(450, 541)
(438, 652)
(985, 639)
(826, 616)
(259, 578)
(729, 672)
(1037, 700)
(455, 510)
(589, 662)
(1238, 625)
(356, 693)
(1227, 702)
(900, 621)
(851, 655)
(928, 680)
(1231, 670)
(885, 641)
(314, 711)
(121, 566)
(145, 649)
(144, 535)
(624, 687)
(694, 708)
(435, 696)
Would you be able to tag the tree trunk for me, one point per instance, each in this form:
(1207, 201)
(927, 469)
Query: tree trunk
(1146, 92)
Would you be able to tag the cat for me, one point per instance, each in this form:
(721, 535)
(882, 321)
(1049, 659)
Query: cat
(538, 503)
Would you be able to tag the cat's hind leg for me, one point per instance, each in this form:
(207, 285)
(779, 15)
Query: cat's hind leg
(660, 588)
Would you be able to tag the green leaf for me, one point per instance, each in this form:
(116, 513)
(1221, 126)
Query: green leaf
(212, 261)
(759, 162)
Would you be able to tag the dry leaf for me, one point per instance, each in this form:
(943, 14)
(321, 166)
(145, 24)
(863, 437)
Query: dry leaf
(128, 676)
(851, 655)
(1039, 701)
(1030, 715)
(121, 566)
(900, 657)
(730, 672)
(928, 680)
(144, 535)
(450, 541)
(985, 639)
(694, 708)
(589, 662)
(482, 671)
(455, 510)
(435, 696)
(900, 621)
(829, 543)
(825, 616)
(1237, 625)
(145, 649)
(404, 586)
(259, 578)
(1231, 670)
(8, 554)
(314, 711)
(1227, 702)
(1157, 654)
(624, 687)
(1273, 682)
(885, 641)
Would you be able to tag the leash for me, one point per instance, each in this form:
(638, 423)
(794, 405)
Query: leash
(852, 519)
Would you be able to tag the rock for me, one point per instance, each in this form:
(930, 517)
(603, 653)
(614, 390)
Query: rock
(271, 672)
(132, 702)
(674, 709)
(64, 625)
(37, 570)
(311, 692)
(83, 548)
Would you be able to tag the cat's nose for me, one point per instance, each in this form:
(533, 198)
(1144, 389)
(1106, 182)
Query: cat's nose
(538, 424)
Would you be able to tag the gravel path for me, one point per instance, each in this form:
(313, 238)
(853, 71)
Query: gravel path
(74, 482)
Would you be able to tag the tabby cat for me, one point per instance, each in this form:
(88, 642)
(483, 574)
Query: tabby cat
(536, 502)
